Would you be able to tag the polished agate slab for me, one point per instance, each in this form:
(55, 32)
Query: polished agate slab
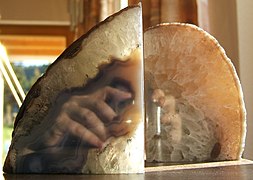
(85, 114)
(195, 110)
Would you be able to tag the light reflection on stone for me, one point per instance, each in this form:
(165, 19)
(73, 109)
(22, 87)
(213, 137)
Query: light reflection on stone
(60, 148)
(85, 114)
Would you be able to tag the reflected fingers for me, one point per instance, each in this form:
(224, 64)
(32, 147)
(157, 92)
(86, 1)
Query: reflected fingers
(91, 121)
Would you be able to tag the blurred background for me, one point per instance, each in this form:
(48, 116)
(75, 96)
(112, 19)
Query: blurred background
(33, 33)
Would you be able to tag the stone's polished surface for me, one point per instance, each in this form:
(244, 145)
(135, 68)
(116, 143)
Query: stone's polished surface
(85, 114)
(126, 152)
(194, 103)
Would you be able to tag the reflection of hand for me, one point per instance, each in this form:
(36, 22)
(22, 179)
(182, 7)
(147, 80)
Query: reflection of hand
(79, 121)
(85, 116)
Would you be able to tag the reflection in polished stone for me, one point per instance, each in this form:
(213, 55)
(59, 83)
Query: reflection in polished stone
(85, 114)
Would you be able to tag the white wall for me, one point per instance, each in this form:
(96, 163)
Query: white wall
(245, 34)
(218, 17)
(34, 10)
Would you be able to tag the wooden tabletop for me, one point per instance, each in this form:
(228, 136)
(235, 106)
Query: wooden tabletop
(242, 170)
